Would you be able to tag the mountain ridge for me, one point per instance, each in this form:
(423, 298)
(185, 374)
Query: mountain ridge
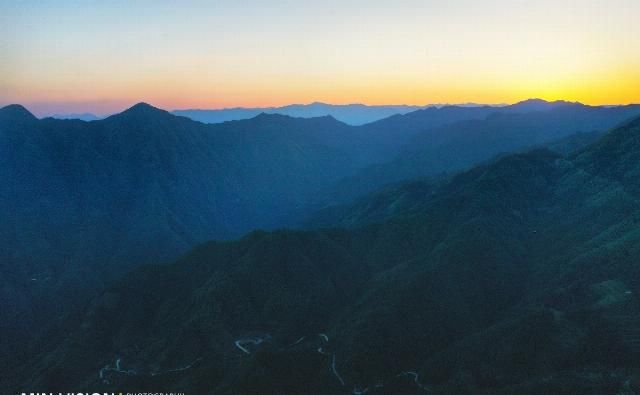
(507, 278)
(16, 112)
(463, 143)
(89, 201)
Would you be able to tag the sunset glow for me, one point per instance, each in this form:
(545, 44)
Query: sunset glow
(104, 57)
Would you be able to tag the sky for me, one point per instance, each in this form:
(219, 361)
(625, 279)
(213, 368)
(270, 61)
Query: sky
(103, 56)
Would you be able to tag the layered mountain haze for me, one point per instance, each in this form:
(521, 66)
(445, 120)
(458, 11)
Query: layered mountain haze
(458, 145)
(352, 114)
(517, 276)
(440, 251)
(531, 105)
(400, 197)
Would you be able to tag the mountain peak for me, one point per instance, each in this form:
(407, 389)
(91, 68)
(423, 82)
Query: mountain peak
(143, 107)
(533, 100)
(141, 110)
(536, 104)
(16, 112)
(537, 101)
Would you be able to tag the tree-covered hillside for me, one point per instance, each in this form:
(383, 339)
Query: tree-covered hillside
(83, 202)
(518, 276)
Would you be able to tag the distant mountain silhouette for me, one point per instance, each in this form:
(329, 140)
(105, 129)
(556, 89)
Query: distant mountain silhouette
(86, 116)
(540, 105)
(459, 145)
(16, 113)
(352, 114)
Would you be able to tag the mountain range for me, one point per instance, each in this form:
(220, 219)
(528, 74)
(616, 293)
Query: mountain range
(433, 256)
(517, 276)
(455, 146)
(352, 114)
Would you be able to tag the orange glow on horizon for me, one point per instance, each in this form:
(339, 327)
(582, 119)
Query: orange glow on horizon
(103, 57)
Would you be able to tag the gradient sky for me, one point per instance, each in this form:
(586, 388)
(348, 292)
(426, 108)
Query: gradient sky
(102, 56)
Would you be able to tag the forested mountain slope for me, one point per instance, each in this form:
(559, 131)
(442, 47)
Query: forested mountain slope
(518, 276)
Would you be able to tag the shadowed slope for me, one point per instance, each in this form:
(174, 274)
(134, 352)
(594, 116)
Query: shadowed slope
(513, 277)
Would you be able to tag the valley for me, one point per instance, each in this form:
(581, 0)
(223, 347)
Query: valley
(388, 276)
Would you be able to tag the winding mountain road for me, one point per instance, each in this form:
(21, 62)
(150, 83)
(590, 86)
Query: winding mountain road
(117, 369)
(251, 340)
(131, 372)
(416, 379)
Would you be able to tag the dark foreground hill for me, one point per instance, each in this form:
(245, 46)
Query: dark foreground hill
(519, 276)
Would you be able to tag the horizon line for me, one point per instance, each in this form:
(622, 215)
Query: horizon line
(53, 114)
